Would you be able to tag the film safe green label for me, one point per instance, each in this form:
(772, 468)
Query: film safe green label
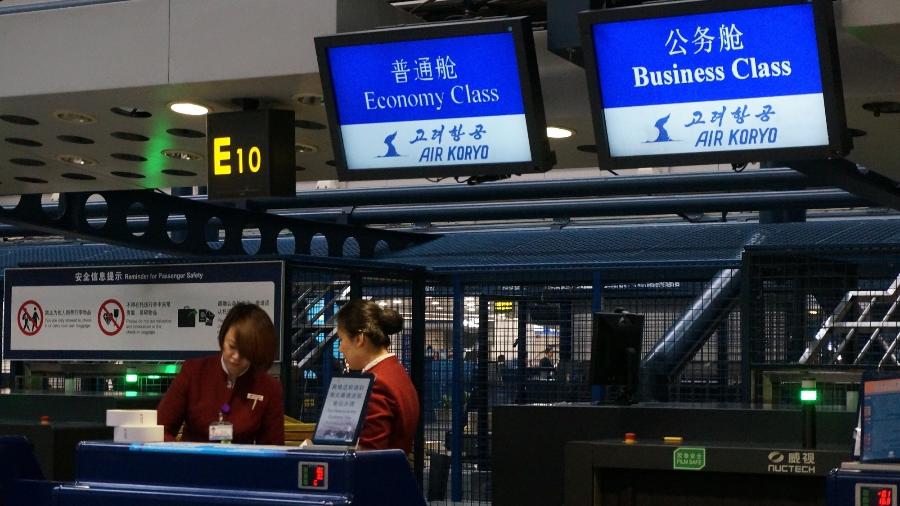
(689, 459)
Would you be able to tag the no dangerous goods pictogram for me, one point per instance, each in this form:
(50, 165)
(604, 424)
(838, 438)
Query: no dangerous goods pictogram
(111, 317)
(30, 317)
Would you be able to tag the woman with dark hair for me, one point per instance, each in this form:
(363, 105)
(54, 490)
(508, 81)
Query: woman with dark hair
(229, 388)
(393, 410)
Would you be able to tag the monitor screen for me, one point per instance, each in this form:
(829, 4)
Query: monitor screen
(714, 81)
(344, 410)
(880, 413)
(616, 348)
(448, 99)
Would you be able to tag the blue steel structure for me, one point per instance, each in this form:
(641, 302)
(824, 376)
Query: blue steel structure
(458, 399)
(202, 221)
(598, 392)
(677, 347)
(150, 474)
(600, 267)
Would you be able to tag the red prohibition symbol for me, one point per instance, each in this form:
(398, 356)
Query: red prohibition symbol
(111, 317)
(30, 317)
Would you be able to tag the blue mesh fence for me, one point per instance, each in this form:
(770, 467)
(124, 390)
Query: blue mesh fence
(823, 313)
(525, 336)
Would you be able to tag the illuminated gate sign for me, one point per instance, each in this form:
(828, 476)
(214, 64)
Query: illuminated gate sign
(714, 82)
(435, 100)
(251, 154)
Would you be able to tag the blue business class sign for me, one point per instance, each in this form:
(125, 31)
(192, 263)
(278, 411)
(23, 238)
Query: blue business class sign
(430, 102)
(721, 81)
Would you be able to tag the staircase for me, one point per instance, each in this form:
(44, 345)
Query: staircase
(878, 334)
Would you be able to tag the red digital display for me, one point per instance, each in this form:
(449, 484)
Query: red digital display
(875, 494)
(319, 480)
(314, 475)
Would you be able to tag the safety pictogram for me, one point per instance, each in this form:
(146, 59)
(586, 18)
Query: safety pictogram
(111, 317)
(30, 317)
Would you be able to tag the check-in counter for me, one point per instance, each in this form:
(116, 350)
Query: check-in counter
(54, 443)
(150, 474)
(70, 418)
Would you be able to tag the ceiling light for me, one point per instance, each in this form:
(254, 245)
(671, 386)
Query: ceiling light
(79, 118)
(76, 160)
(309, 125)
(309, 99)
(559, 133)
(306, 148)
(130, 112)
(178, 172)
(879, 108)
(180, 154)
(189, 109)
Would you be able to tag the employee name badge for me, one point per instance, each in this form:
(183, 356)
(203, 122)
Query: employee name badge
(221, 431)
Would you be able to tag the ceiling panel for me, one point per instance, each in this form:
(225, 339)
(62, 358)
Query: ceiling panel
(868, 57)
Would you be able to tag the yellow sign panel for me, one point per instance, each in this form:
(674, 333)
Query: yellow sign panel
(503, 306)
(250, 154)
(222, 154)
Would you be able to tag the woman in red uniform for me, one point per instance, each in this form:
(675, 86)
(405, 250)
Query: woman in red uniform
(233, 384)
(393, 410)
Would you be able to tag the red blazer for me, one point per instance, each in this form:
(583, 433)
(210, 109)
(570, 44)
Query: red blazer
(393, 409)
(199, 391)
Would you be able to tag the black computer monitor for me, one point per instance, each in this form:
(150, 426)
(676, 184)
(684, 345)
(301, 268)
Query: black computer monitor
(616, 348)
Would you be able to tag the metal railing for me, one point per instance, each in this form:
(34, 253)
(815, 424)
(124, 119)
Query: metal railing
(867, 301)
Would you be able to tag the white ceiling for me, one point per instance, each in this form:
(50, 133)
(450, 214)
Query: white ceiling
(870, 59)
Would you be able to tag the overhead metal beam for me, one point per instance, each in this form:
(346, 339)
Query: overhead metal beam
(625, 206)
(765, 179)
(201, 219)
(845, 174)
(570, 208)
(52, 5)
(762, 180)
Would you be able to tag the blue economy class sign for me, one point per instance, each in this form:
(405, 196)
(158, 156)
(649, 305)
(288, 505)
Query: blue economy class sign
(733, 80)
(444, 101)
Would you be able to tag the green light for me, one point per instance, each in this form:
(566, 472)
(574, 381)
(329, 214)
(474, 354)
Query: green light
(156, 161)
(153, 377)
(131, 393)
(808, 396)
(170, 369)
(131, 378)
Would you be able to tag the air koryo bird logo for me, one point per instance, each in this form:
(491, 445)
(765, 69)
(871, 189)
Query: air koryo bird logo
(391, 150)
(662, 133)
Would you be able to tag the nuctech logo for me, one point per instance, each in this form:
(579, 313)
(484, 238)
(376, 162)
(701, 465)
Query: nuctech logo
(791, 462)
